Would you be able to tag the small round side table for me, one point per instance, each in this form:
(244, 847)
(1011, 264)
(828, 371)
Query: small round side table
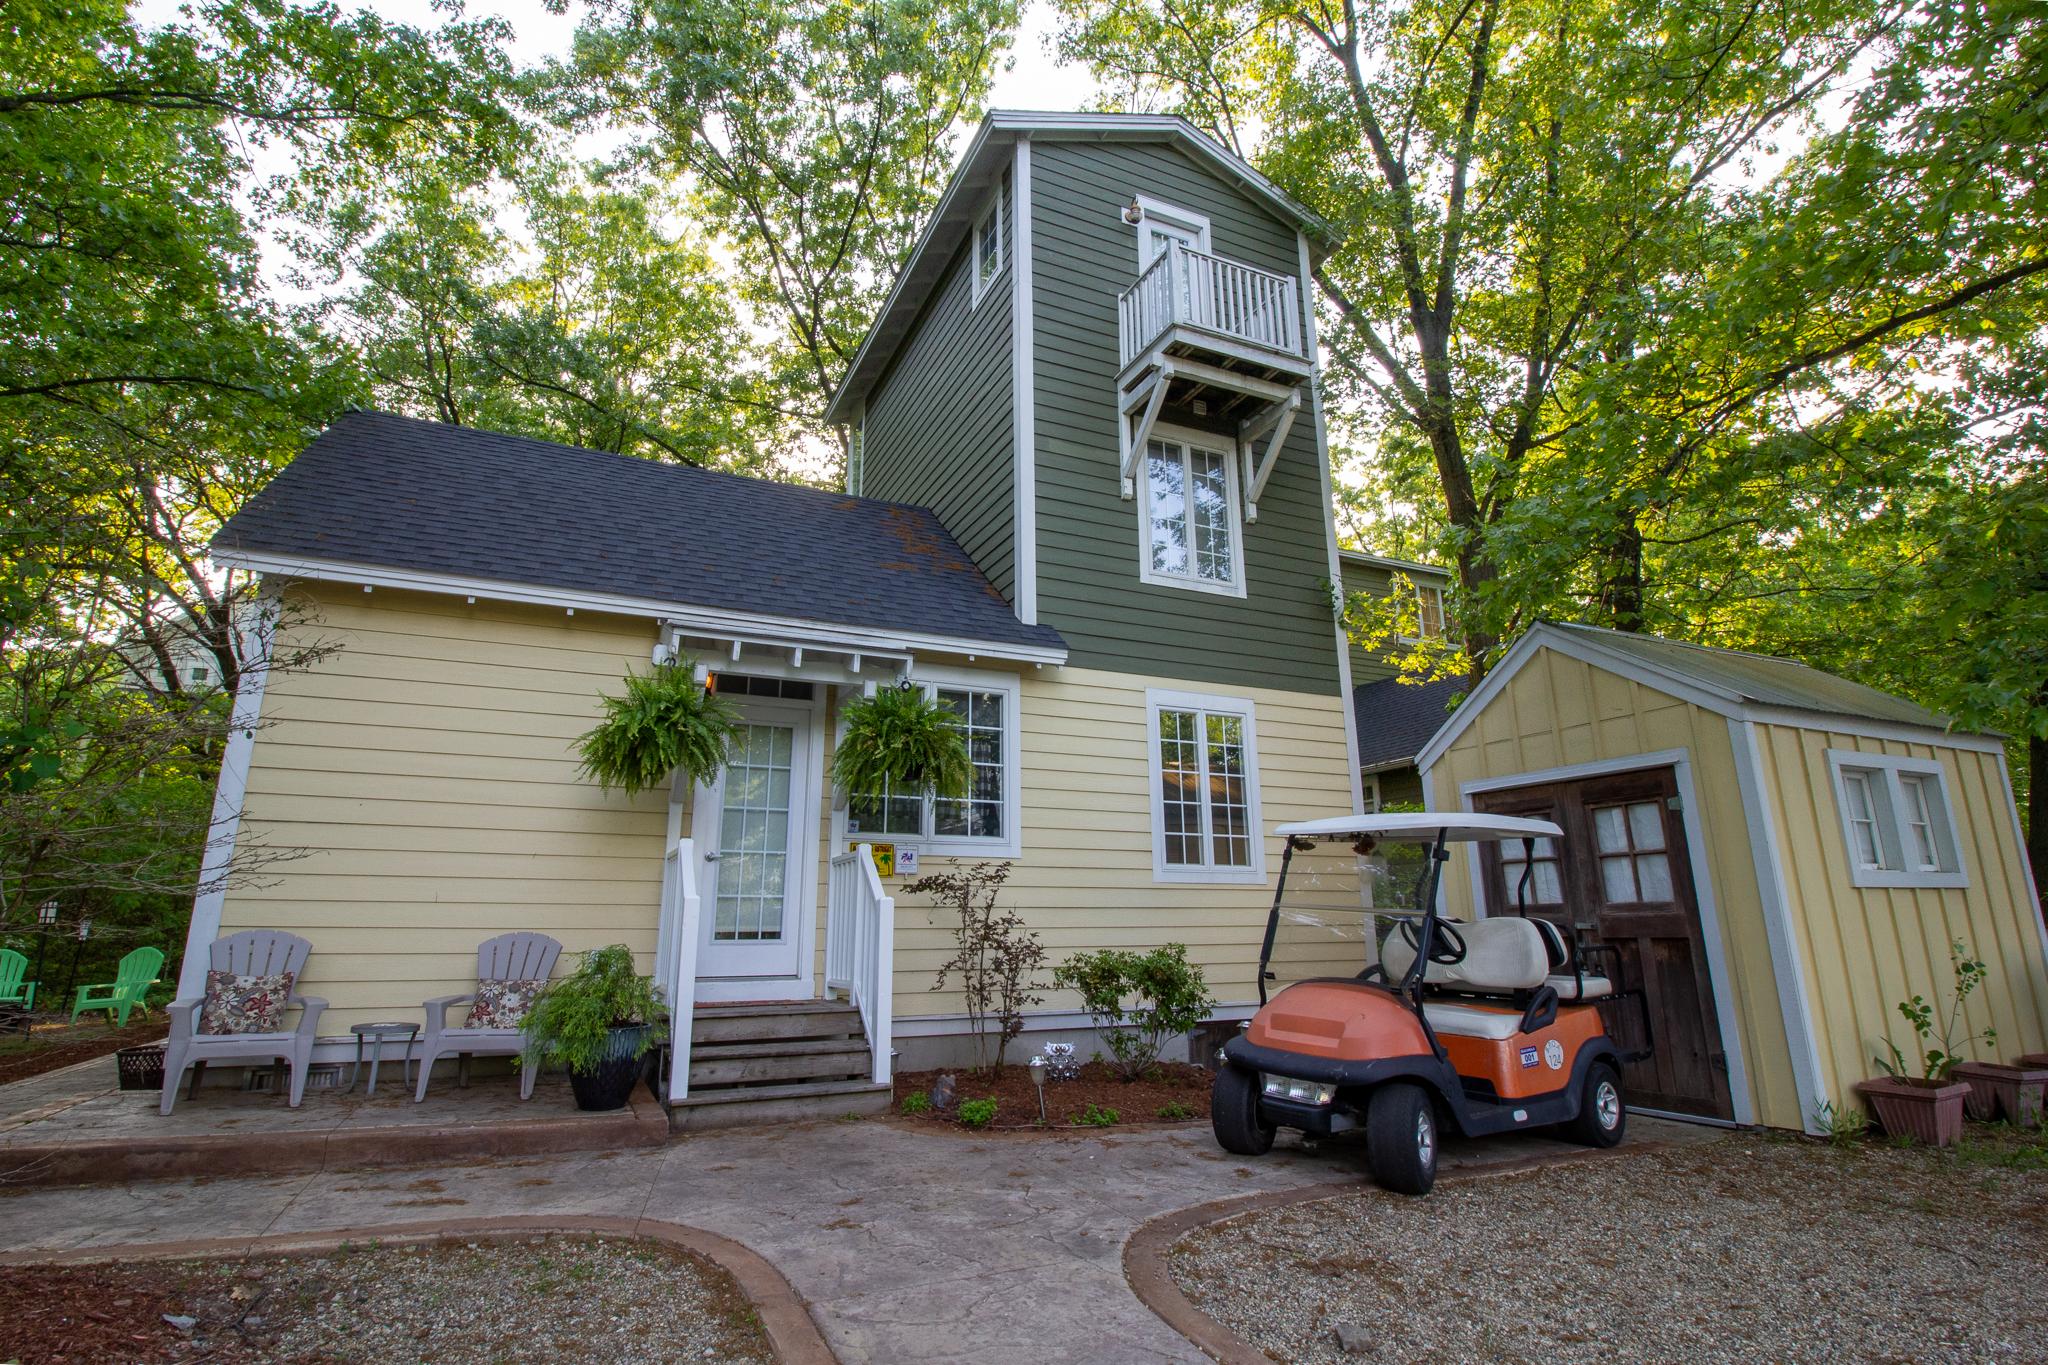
(378, 1035)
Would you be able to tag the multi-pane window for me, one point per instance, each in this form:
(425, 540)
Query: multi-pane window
(1537, 858)
(1190, 520)
(1896, 820)
(988, 245)
(1429, 605)
(986, 723)
(1203, 764)
(1635, 866)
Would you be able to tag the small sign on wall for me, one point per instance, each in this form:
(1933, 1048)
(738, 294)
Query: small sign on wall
(891, 861)
(906, 862)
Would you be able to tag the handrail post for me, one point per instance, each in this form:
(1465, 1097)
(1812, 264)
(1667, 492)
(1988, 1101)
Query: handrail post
(682, 1003)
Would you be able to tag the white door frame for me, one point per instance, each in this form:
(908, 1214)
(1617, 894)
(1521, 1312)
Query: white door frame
(806, 807)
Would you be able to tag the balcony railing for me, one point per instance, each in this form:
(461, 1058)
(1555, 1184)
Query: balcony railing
(1226, 299)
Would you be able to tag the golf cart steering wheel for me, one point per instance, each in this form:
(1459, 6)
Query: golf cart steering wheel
(1447, 945)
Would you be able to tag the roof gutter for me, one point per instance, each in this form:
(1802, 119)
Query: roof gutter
(849, 638)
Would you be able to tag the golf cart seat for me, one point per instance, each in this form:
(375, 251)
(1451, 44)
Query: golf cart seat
(1568, 984)
(1501, 956)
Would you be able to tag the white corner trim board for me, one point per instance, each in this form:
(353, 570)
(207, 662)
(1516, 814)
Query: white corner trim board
(228, 796)
(1024, 392)
(1787, 961)
(1719, 972)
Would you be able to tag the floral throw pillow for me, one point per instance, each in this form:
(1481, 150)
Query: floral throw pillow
(244, 1004)
(503, 1004)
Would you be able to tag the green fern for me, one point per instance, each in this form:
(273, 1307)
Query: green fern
(572, 1019)
(666, 723)
(901, 739)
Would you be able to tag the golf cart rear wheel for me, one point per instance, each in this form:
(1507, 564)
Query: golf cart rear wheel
(1234, 1114)
(1603, 1114)
(1401, 1138)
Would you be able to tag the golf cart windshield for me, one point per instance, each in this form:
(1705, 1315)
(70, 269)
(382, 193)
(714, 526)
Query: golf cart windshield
(1348, 881)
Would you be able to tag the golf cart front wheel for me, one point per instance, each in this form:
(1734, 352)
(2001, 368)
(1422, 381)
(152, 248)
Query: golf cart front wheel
(1401, 1138)
(1603, 1114)
(1234, 1114)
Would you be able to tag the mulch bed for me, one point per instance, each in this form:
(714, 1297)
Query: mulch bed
(1171, 1092)
(596, 1300)
(55, 1045)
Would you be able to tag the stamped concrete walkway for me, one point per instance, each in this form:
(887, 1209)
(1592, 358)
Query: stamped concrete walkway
(910, 1244)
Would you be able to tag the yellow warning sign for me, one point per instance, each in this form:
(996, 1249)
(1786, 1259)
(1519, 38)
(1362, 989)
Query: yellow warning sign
(885, 859)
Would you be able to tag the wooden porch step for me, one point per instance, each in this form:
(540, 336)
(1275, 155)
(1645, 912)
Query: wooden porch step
(743, 1106)
(810, 1019)
(755, 1062)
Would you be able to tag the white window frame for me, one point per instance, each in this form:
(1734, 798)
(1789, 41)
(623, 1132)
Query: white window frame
(1369, 791)
(1161, 699)
(1421, 620)
(960, 845)
(1152, 211)
(1209, 441)
(991, 217)
(1884, 774)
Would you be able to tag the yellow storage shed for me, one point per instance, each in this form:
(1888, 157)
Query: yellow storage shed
(1778, 856)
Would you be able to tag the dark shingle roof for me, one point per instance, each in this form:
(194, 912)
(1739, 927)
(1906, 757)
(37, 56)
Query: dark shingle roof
(1762, 679)
(394, 492)
(1395, 719)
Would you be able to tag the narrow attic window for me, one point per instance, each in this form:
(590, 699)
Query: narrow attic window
(988, 244)
(1897, 823)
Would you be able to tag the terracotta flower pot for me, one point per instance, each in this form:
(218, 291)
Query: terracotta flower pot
(1995, 1089)
(1924, 1111)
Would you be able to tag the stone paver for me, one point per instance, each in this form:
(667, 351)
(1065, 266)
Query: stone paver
(910, 1244)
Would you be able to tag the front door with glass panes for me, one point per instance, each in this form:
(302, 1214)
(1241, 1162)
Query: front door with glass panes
(749, 824)
(1623, 875)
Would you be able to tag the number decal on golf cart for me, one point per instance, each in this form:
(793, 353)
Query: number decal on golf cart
(1553, 1055)
(1529, 1056)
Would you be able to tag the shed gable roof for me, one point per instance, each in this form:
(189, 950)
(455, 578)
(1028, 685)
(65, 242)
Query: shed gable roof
(383, 491)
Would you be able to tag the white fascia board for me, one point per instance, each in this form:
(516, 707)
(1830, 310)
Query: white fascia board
(778, 629)
(1868, 728)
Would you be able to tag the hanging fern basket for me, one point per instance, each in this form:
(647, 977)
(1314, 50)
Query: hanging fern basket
(901, 740)
(666, 723)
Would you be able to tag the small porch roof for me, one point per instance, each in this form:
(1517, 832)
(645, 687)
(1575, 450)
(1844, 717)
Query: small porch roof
(389, 500)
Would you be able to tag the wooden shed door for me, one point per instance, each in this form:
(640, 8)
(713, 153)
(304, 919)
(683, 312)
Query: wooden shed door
(1624, 866)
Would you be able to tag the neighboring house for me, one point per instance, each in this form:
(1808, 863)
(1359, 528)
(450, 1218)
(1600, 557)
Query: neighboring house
(1779, 857)
(1093, 516)
(1395, 719)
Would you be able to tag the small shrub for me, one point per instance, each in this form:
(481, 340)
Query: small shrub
(1841, 1127)
(1095, 1116)
(1174, 1109)
(978, 1113)
(916, 1102)
(1166, 994)
(997, 958)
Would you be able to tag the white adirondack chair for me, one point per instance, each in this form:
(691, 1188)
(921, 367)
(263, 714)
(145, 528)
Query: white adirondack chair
(254, 952)
(508, 957)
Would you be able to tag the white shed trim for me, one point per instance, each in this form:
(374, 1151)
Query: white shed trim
(1690, 815)
(1787, 961)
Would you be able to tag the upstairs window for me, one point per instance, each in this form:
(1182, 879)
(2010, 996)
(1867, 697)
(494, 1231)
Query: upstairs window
(1429, 613)
(1191, 518)
(1898, 826)
(988, 245)
(1205, 789)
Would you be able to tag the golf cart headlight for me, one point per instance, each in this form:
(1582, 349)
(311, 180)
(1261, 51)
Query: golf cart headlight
(1299, 1091)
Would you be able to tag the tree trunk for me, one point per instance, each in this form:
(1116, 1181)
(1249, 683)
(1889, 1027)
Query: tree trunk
(1621, 591)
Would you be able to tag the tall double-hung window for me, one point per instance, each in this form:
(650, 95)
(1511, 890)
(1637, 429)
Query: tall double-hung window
(1205, 788)
(1191, 518)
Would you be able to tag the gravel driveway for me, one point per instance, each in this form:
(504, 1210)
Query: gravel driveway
(1749, 1248)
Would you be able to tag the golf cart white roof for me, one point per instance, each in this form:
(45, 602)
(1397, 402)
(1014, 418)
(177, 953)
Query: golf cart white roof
(1423, 827)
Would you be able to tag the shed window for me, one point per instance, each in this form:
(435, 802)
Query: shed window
(1634, 867)
(1897, 823)
(1205, 789)
(1538, 858)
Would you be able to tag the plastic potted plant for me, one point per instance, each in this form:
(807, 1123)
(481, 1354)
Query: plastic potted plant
(902, 739)
(1929, 1107)
(666, 723)
(597, 1021)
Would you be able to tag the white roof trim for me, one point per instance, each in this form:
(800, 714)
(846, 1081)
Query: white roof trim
(1407, 566)
(1005, 125)
(1720, 700)
(781, 629)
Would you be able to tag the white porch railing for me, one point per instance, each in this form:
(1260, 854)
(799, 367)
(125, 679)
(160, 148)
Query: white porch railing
(682, 911)
(860, 943)
(1188, 288)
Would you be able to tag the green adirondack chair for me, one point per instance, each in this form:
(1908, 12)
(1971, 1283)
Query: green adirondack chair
(134, 977)
(13, 990)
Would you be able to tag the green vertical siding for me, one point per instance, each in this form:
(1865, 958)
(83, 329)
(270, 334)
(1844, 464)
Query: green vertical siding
(940, 424)
(1367, 578)
(1281, 633)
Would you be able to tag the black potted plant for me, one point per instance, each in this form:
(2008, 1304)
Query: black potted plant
(597, 1021)
(902, 739)
(668, 722)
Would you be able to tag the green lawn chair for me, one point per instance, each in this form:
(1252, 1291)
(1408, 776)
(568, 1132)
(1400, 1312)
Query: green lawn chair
(134, 977)
(13, 990)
